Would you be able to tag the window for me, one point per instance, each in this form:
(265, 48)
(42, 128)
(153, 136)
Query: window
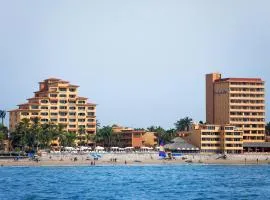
(91, 108)
(91, 114)
(63, 101)
(72, 113)
(62, 113)
(72, 89)
(81, 114)
(54, 114)
(81, 120)
(63, 95)
(34, 107)
(44, 101)
(44, 113)
(72, 120)
(53, 107)
(53, 95)
(72, 108)
(63, 120)
(62, 89)
(25, 113)
(44, 107)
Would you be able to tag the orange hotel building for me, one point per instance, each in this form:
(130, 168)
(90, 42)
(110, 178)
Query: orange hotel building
(57, 101)
(239, 102)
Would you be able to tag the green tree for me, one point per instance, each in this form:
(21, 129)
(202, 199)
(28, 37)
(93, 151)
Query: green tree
(49, 132)
(105, 134)
(3, 135)
(183, 124)
(267, 128)
(2, 115)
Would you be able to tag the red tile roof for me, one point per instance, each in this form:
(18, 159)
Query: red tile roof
(240, 79)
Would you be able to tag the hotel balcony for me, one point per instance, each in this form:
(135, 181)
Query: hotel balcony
(246, 98)
(247, 86)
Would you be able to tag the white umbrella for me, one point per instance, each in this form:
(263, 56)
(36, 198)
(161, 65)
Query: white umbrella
(99, 148)
(144, 148)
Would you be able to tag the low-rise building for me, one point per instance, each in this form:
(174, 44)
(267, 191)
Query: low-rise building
(130, 137)
(216, 138)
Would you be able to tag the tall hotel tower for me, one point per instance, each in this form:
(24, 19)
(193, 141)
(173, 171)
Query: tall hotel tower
(57, 101)
(239, 102)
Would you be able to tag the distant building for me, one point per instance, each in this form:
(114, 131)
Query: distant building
(216, 138)
(57, 101)
(239, 102)
(130, 137)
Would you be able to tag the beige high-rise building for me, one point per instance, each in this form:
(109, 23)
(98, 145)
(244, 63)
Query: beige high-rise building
(239, 102)
(57, 101)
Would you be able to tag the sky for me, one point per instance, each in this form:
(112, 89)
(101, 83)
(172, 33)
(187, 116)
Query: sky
(143, 62)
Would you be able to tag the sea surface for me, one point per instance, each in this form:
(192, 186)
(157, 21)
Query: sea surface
(136, 182)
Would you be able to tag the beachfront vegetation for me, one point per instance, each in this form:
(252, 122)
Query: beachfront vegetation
(32, 135)
(3, 135)
(162, 134)
(183, 124)
(267, 128)
(2, 116)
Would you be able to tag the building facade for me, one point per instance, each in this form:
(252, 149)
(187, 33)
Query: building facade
(216, 138)
(239, 102)
(57, 102)
(130, 137)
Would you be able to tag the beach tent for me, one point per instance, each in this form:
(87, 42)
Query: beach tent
(69, 148)
(99, 148)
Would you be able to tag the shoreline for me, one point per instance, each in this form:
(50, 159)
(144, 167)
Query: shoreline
(135, 162)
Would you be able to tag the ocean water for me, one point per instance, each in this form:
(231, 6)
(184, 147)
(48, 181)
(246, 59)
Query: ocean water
(136, 182)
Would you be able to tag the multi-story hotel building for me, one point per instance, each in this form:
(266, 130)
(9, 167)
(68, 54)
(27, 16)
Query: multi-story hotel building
(57, 101)
(130, 137)
(239, 102)
(216, 138)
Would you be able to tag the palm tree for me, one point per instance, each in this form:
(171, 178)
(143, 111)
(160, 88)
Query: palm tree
(81, 133)
(3, 134)
(183, 124)
(106, 134)
(2, 115)
(267, 128)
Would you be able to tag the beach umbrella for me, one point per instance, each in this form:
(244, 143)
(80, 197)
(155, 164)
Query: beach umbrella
(99, 148)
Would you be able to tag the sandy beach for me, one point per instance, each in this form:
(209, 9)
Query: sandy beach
(138, 159)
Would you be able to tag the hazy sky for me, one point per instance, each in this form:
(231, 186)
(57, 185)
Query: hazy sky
(143, 62)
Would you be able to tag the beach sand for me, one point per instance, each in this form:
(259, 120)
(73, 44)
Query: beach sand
(140, 159)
